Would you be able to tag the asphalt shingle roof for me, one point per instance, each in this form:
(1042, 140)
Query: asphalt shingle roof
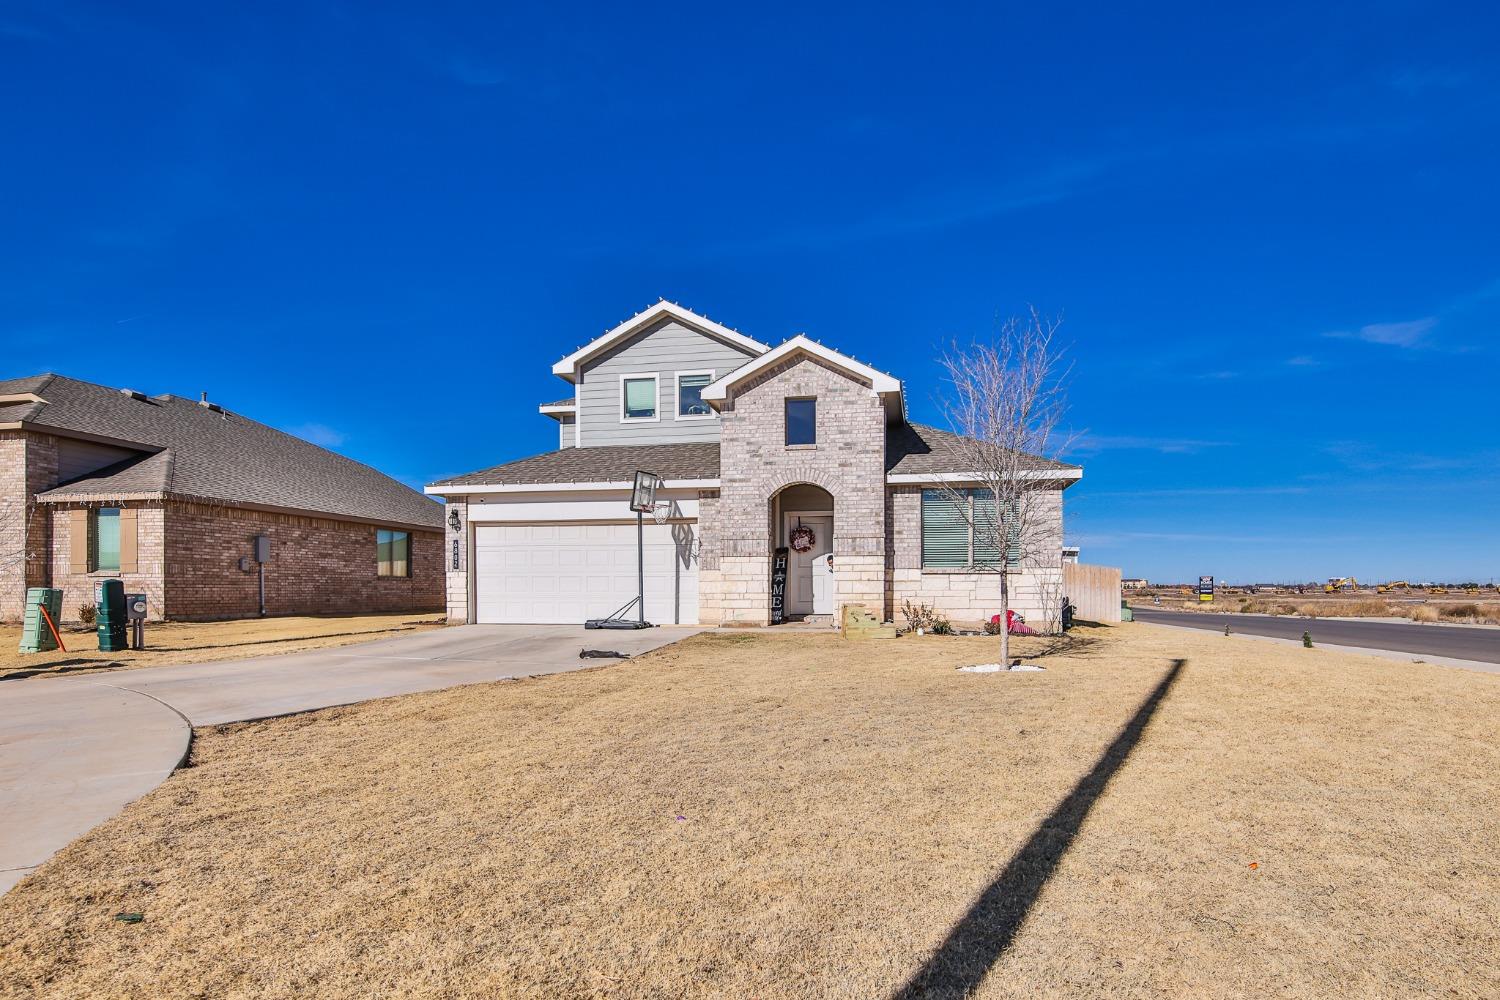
(191, 451)
(910, 449)
(917, 448)
(603, 464)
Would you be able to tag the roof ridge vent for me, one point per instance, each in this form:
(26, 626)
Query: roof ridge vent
(133, 394)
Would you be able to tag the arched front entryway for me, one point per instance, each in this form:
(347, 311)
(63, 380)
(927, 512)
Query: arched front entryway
(802, 524)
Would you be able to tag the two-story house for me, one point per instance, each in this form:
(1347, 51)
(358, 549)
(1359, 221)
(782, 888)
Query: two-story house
(797, 446)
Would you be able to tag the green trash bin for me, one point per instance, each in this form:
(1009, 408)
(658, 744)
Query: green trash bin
(36, 637)
(110, 600)
(1126, 615)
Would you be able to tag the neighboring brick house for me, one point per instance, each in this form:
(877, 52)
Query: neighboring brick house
(168, 495)
(757, 445)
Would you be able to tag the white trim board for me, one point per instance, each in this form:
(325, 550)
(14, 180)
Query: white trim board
(880, 382)
(917, 478)
(568, 367)
(458, 490)
(902, 479)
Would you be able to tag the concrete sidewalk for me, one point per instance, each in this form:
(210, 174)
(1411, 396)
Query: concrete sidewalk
(75, 750)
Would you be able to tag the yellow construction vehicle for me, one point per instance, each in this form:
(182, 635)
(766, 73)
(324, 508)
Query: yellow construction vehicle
(1433, 588)
(1338, 583)
(1398, 585)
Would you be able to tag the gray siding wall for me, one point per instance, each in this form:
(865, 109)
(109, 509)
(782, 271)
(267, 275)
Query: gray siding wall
(565, 433)
(79, 458)
(665, 348)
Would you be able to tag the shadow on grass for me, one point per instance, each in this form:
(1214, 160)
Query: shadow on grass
(982, 935)
(60, 667)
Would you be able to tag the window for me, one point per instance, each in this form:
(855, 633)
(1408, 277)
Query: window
(637, 397)
(959, 531)
(802, 421)
(106, 554)
(392, 553)
(690, 402)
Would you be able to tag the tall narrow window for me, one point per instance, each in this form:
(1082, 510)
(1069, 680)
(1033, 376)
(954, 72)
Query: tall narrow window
(393, 553)
(638, 396)
(107, 539)
(801, 421)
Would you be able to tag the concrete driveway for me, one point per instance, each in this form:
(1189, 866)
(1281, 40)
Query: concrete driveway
(75, 750)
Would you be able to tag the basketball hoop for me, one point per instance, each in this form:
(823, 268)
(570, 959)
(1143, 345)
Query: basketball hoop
(643, 493)
(642, 502)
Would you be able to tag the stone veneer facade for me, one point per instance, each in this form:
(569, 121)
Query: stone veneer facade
(755, 464)
(966, 596)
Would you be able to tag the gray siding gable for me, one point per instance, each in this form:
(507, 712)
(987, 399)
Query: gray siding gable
(664, 349)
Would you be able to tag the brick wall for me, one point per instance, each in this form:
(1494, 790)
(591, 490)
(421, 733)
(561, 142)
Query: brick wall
(28, 465)
(965, 597)
(78, 588)
(318, 566)
(755, 464)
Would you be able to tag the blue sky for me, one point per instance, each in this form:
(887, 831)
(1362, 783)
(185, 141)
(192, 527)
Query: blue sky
(1272, 232)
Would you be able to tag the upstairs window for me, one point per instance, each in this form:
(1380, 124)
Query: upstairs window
(801, 421)
(106, 554)
(392, 553)
(638, 397)
(690, 386)
(959, 531)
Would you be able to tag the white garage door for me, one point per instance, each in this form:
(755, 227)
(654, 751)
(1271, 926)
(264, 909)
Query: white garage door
(564, 574)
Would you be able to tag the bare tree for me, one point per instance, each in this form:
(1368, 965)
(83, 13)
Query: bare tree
(1007, 403)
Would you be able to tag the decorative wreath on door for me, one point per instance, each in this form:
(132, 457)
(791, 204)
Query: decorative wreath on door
(803, 539)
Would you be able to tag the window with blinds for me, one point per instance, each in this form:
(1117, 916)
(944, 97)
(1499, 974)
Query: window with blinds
(639, 397)
(958, 531)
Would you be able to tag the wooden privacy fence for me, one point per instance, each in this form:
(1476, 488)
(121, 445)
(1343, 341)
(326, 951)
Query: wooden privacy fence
(1094, 591)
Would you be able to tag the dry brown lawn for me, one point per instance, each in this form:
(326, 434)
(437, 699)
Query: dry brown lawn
(752, 815)
(201, 642)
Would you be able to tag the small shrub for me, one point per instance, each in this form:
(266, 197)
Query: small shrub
(1460, 611)
(88, 613)
(918, 616)
(992, 627)
(941, 625)
(1420, 612)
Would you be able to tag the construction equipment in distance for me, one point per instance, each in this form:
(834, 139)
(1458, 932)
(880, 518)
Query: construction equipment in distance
(1337, 583)
(1398, 585)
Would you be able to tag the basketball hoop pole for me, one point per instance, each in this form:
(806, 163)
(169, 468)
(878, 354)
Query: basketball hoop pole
(642, 499)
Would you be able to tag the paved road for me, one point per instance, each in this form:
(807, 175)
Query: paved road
(1453, 641)
(75, 750)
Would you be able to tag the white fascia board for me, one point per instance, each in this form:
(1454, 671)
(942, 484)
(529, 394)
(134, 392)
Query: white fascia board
(879, 381)
(551, 408)
(913, 478)
(458, 489)
(568, 367)
(521, 510)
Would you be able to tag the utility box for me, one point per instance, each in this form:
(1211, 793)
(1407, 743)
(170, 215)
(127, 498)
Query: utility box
(109, 597)
(36, 635)
(262, 548)
(135, 607)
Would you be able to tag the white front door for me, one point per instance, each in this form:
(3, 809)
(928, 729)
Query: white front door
(563, 574)
(799, 582)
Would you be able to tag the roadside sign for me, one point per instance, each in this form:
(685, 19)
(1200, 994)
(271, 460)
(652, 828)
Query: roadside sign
(1205, 588)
